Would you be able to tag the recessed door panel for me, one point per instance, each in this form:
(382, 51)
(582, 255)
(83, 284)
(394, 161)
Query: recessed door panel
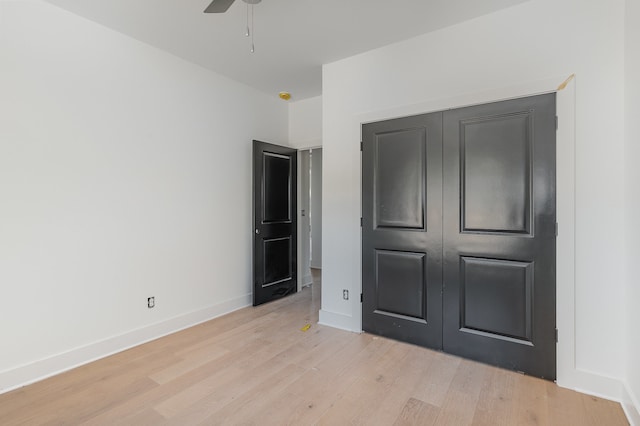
(277, 183)
(277, 260)
(497, 298)
(399, 178)
(400, 282)
(495, 173)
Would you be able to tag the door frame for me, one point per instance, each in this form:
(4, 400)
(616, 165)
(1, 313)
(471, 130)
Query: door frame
(565, 87)
(315, 145)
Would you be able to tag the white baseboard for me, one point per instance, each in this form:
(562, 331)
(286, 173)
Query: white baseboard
(631, 406)
(335, 320)
(307, 280)
(56, 364)
(593, 384)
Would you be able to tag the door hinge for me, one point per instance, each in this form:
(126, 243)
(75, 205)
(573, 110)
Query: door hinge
(360, 297)
(361, 145)
(556, 122)
(361, 221)
(556, 335)
(556, 229)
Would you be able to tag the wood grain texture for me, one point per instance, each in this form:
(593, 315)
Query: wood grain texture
(256, 367)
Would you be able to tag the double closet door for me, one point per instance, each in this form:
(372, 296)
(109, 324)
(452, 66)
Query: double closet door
(458, 232)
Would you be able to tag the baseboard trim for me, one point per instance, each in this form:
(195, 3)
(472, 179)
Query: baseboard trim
(307, 280)
(631, 406)
(56, 364)
(593, 384)
(335, 320)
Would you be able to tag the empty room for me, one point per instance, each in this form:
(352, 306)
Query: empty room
(329, 212)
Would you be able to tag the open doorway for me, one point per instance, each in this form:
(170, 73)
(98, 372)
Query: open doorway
(310, 216)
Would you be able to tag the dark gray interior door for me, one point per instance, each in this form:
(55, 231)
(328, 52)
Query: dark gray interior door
(402, 223)
(274, 221)
(499, 234)
(458, 237)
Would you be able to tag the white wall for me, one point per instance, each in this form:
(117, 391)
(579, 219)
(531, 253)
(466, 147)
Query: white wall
(125, 173)
(305, 123)
(540, 39)
(316, 208)
(632, 208)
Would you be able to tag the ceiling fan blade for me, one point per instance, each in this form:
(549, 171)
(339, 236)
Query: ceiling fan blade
(218, 6)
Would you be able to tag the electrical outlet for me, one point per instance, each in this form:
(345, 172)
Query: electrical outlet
(345, 294)
(151, 302)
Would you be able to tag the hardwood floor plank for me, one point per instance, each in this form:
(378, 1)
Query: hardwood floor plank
(496, 399)
(257, 398)
(359, 400)
(192, 361)
(306, 399)
(177, 386)
(600, 411)
(463, 394)
(566, 407)
(436, 376)
(406, 382)
(416, 412)
(530, 406)
(212, 394)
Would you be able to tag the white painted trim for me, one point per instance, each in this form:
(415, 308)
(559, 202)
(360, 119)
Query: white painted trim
(335, 320)
(303, 280)
(56, 364)
(307, 280)
(299, 216)
(531, 88)
(631, 406)
(633, 416)
(565, 242)
(596, 385)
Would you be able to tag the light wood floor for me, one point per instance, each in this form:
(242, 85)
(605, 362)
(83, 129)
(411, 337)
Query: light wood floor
(256, 366)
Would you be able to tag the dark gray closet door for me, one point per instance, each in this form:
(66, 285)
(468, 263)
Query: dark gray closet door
(499, 234)
(402, 229)
(458, 237)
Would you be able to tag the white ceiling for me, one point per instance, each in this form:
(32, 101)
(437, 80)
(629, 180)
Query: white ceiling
(293, 38)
